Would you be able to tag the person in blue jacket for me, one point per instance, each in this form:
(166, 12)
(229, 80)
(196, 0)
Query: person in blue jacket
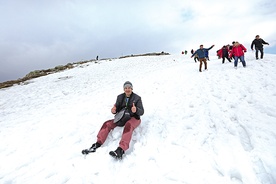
(202, 57)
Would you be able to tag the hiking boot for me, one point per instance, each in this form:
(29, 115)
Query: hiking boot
(91, 149)
(95, 146)
(118, 153)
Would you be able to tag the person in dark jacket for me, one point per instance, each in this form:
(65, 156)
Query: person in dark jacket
(132, 104)
(258, 42)
(225, 53)
(201, 55)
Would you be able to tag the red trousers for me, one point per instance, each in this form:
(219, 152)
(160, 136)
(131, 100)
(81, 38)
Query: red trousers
(127, 133)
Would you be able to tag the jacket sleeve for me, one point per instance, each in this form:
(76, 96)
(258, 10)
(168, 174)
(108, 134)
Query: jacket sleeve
(139, 107)
(264, 42)
(136, 99)
(210, 47)
(252, 44)
(243, 48)
(118, 103)
(194, 53)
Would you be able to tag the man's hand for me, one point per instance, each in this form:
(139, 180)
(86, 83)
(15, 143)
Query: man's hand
(113, 110)
(133, 108)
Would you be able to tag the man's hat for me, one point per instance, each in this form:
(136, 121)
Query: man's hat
(128, 84)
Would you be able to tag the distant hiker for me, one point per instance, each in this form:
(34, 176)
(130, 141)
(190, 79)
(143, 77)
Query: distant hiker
(128, 109)
(201, 55)
(224, 52)
(258, 42)
(196, 56)
(97, 58)
(238, 51)
(186, 52)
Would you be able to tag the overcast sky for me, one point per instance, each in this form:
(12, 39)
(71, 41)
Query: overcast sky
(42, 34)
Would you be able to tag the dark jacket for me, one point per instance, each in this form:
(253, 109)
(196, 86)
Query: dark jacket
(258, 43)
(225, 51)
(134, 98)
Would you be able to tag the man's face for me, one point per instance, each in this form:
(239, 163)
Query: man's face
(257, 37)
(201, 47)
(128, 91)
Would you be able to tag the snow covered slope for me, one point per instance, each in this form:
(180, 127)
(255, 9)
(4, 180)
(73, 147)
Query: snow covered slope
(218, 126)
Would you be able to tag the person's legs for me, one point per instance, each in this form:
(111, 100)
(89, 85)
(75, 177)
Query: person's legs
(236, 61)
(127, 133)
(200, 64)
(228, 58)
(104, 131)
(205, 63)
(257, 50)
(243, 61)
(262, 52)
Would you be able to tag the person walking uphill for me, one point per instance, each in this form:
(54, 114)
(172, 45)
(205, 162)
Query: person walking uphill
(258, 42)
(127, 109)
(201, 55)
(238, 51)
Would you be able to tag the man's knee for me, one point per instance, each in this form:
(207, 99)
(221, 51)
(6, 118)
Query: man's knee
(109, 124)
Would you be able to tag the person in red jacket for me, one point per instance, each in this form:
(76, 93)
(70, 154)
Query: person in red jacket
(238, 51)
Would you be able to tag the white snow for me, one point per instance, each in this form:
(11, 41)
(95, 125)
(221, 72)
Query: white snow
(214, 127)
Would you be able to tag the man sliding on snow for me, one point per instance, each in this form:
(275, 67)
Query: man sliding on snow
(128, 109)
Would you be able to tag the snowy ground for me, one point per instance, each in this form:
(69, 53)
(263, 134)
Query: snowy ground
(214, 127)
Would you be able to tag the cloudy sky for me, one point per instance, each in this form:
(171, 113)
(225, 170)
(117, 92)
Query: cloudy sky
(43, 34)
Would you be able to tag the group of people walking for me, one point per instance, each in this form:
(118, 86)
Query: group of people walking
(235, 51)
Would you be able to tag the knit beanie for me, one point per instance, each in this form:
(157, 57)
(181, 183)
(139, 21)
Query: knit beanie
(128, 84)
